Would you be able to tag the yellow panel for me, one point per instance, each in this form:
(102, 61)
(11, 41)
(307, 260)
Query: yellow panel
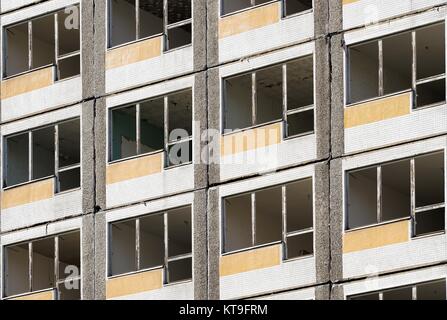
(27, 82)
(135, 52)
(47, 295)
(135, 283)
(249, 20)
(135, 168)
(251, 139)
(28, 193)
(250, 260)
(378, 110)
(349, 1)
(377, 236)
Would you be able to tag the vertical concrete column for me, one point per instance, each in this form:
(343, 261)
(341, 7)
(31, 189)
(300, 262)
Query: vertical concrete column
(213, 244)
(322, 78)
(1, 164)
(214, 125)
(213, 13)
(200, 246)
(199, 34)
(200, 126)
(88, 257)
(100, 235)
(336, 220)
(337, 292)
(322, 216)
(323, 292)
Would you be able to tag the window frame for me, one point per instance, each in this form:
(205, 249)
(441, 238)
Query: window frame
(57, 169)
(57, 277)
(166, 143)
(165, 214)
(166, 27)
(285, 111)
(285, 234)
(253, 5)
(57, 57)
(413, 208)
(414, 80)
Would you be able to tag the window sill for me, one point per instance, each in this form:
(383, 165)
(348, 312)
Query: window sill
(377, 224)
(22, 295)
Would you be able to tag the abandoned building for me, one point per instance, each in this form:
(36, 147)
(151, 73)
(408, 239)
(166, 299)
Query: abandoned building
(223, 149)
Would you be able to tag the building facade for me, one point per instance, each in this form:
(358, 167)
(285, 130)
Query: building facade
(223, 149)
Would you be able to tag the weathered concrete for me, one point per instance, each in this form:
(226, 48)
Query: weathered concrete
(214, 124)
(100, 237)
(212, 32)
(200, 119)
(336, 219)
(88, 257)
(199, 34)
(200, 250)
(213, 244)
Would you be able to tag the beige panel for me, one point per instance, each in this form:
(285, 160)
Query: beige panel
(28, 82)
(135, 168)
(378, 110)
(135, 283)
(47, 295)
(251, 139)
(249, 20)
(135, 52)
(32, 192)
(349, 1)
(377, 236)
(250, 260)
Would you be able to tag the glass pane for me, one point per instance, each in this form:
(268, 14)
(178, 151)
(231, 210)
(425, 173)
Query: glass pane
(296, 6)
(69, 180)
(152, 242)
(68, 27)
(431, 291)
(179, 37)
(397, 63)
(69, 143)
(43, 41)
(237, 222)
(69, 67)
(70, 256)
(300, 245)
(180, 270)
(178, 10)
(238, 102)
(269, 91)
(16, 270)
(429, 179)
(151, 18)
(430, 93)
(300, 83)
(396, 200)
(17, 159)
(430, 221)
(124, 133)
(43, 153)
(398, 294)
(43, 264)
(122, 248)
(179, 232)
(268, 215)
(16, 49)
(369, 296)
(362, 198)
(430, 45)
(299, 205)
(122, 25)
(229, 6)
(301, 123)
(180, 115)
(152, 125)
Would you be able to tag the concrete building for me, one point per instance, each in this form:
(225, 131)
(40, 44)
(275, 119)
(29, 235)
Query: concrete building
(223, 149)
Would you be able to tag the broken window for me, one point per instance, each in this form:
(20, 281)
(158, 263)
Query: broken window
(386, 193)
(131, 20)
(53, 39)
(409, 60)
(38, 154)
(154, 241)
(49, 263)
(289, 6)
(433, 290)
(280, 92)
(282, 213)
(159, 124)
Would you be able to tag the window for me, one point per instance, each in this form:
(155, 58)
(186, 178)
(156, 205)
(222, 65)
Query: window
(50, 263)
(162, 123)
(290, 7)
(387, 192)
(132, 20)
(281, 213)
(434, 290)
(52, 151)
(52, 39)
(154, 241)
(409, 60)
(280, 92)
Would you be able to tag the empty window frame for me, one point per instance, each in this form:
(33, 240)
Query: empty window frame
(433, 290)
(278, 214)
(159, 124)
(405, 188)
(152, 242)
(53, 39)
(280, 92)
(44, 264)
(290, 7)
(52, 151)
(409, 60)
(131, 20)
